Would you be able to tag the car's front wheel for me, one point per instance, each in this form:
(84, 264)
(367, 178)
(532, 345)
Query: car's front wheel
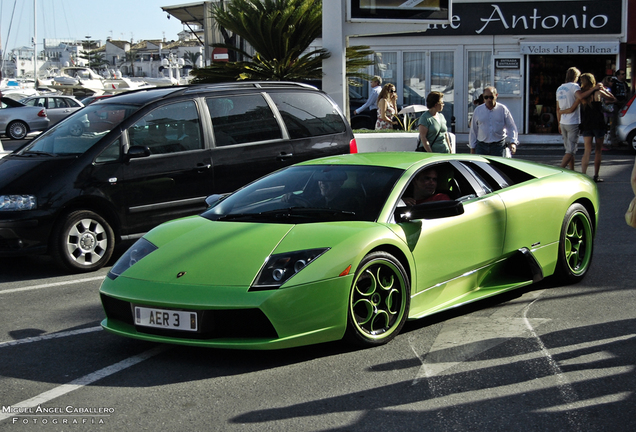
(576, 244)
(82, 241)
(17, 130)
(379, 300)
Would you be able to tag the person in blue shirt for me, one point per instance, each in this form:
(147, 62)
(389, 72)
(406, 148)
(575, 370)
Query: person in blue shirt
(492, 123)
(372, 102)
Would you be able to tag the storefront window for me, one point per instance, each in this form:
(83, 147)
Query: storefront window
(414, 92)
(385, 66)
(479, 72)
(442, 80)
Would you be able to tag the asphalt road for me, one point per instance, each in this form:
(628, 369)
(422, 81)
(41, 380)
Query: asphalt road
(549, 357)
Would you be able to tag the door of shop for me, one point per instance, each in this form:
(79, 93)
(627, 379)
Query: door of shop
(508, 79)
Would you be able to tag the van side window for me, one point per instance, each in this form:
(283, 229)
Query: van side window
(308, 114)
(168, 129)
(242, 119)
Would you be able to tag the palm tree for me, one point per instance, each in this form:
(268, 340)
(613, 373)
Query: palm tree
(281, 33)
(192, 57)
(130, 57)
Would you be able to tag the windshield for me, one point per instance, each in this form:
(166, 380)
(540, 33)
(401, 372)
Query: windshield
(316, 193)
(80, 131)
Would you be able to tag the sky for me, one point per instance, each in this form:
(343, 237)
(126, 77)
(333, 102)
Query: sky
(77, 19)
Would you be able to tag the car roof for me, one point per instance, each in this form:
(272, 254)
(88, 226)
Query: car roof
(400, 160)
(144, 96)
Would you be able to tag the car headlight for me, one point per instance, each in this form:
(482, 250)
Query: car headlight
(18, 202)
(279, 268)
(140, 249)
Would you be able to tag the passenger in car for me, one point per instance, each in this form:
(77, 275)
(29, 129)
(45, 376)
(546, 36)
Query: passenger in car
(425, 189)
(328, 193)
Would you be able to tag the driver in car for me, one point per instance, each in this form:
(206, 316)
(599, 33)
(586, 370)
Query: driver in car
(425, 189)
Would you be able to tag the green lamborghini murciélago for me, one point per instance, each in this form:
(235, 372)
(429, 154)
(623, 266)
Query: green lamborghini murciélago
(351, 247)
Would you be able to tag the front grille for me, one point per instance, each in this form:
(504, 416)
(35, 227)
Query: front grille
(213, 324)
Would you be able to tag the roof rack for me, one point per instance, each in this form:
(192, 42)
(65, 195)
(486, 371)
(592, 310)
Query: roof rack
(246, 84)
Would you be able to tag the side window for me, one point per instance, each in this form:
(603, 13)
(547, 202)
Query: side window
(438, 182)
(31, 102)
(168, 129)
(308, 114)
(486, 188)
(242, 119)
(110, 153)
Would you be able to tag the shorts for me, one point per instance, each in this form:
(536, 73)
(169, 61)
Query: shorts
(596, 133)
(570, 134)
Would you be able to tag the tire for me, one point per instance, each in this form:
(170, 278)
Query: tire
(631, 140)
(17, 130)
(82, 241)
(379, 300)
(76, 129)
(576, 245)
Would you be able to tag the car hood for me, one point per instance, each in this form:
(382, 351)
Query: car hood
(227, 254)
(210, 253)
(29, 174)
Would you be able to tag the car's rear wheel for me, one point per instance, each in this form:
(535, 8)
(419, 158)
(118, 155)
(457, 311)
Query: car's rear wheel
(17, 130)
(379, 300)
(631, 140)
(76, 129)
(576, 244)
(83, 241)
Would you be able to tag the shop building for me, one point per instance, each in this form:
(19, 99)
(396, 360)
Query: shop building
(522, 48)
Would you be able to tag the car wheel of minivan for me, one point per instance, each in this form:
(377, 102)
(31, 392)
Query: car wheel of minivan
(82, 241)
(17, 130)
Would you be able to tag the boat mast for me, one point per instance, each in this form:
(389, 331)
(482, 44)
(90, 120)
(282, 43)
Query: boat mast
(35, 44)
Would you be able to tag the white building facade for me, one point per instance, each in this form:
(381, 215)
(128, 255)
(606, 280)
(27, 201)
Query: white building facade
(522, 48)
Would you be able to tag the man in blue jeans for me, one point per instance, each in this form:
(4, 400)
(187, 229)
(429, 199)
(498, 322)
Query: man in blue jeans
(492, 123)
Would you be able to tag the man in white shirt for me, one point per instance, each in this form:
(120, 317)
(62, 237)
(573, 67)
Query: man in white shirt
(492, 123)
(566, 95)
(372, 101)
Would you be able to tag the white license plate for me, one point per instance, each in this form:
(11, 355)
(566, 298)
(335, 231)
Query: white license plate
(166, 319)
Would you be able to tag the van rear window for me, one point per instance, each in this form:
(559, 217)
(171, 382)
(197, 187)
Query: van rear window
(308, 114)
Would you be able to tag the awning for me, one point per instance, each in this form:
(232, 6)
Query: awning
(191, 13)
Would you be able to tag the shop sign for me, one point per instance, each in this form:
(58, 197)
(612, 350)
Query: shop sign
(508, 63)
(533, 18)
(569, 48)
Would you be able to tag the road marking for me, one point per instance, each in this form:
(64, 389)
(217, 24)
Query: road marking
(83, 381)
(49, 336)
(466, 337)
(50, 285)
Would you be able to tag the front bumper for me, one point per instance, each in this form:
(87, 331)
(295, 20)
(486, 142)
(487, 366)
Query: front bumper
(23, 234)
(232, 317)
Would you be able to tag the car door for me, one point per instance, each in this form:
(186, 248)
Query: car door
(57, 108)
(175, 178)
(248, 140)
(445, 249)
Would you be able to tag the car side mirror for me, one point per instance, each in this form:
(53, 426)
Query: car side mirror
(137, 151)
(430, 210)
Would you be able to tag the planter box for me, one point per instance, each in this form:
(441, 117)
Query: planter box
(384, 142)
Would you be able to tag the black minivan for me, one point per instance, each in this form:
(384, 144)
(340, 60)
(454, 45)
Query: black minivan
(121, 166)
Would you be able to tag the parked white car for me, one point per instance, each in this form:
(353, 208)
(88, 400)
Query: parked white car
(626, 127)
(17, 119)
(57, 107)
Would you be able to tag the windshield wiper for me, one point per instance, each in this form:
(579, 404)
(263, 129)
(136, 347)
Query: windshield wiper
(36, 153)
(290, 212)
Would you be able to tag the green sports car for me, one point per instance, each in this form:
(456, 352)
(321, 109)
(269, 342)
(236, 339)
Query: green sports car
(351, 247)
